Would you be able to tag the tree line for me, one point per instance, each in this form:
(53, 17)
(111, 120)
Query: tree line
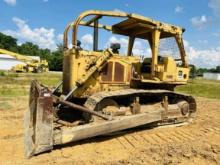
(199, 71)
(54, 58)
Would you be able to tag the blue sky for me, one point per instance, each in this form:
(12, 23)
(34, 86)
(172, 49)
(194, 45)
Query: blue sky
(43, 22)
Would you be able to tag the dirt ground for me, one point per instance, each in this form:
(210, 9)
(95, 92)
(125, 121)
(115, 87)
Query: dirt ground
(195, 143)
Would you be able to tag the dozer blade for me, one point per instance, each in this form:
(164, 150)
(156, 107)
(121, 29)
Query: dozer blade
(38, 122)
(42, 133)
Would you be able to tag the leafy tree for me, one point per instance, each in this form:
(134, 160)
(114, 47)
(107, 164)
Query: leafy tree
(193, 70)
(56, 59)
(28, 48)
(8, 42)
(218, 69)
(45, 53)
(200, 71)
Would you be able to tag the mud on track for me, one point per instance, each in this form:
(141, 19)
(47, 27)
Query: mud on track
(195, 143)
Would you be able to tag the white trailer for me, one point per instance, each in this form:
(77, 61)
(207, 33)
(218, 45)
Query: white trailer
(211, 76)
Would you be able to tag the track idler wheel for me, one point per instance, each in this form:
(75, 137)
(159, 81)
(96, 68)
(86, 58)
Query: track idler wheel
(184, 108)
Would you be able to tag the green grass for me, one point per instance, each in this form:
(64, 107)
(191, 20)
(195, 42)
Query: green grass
(4, 105)
(17, 84)
(2, 73)
(202, 88)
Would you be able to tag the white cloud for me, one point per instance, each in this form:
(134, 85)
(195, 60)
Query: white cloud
(199, 22)
(87, 41)
(10, 2)
(178, 9)
(203, 58)
(19, 43)
(200, 57)
(43, 37)
(186, 43)
(60, 37)
(215, 6)
(140, 48)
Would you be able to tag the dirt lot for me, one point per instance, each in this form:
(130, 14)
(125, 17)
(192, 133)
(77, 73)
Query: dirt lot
(195, 143)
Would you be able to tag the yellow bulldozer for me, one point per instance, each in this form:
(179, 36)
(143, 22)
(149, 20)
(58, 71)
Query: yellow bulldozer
(30, 64)
(103, 91)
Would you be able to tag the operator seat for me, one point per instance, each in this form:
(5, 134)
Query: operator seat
(146, 65)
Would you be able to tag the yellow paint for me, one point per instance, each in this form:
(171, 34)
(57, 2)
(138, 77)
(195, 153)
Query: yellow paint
(31, 65)
(86, 67)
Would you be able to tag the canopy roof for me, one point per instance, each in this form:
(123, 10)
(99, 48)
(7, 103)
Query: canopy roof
(133, 25)
(136, 25)
(142, 28)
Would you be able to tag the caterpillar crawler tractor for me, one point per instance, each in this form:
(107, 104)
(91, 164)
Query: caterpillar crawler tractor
(103, 91)
(35, 65)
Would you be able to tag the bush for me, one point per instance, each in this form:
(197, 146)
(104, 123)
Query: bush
(2, 73)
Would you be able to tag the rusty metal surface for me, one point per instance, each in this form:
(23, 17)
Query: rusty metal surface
(93, 100)
(119, 72)
(38, 123)
(41, 135)
(68, 134)
(107, 72)
(84, 109)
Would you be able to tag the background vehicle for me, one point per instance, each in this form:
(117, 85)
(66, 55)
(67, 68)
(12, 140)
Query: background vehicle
(104, 91)
(32, 63)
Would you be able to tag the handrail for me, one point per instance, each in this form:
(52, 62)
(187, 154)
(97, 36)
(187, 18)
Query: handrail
(175, 30)
(78, 21)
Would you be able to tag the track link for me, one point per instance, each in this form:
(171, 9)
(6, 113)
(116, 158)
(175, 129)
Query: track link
(93, 101)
